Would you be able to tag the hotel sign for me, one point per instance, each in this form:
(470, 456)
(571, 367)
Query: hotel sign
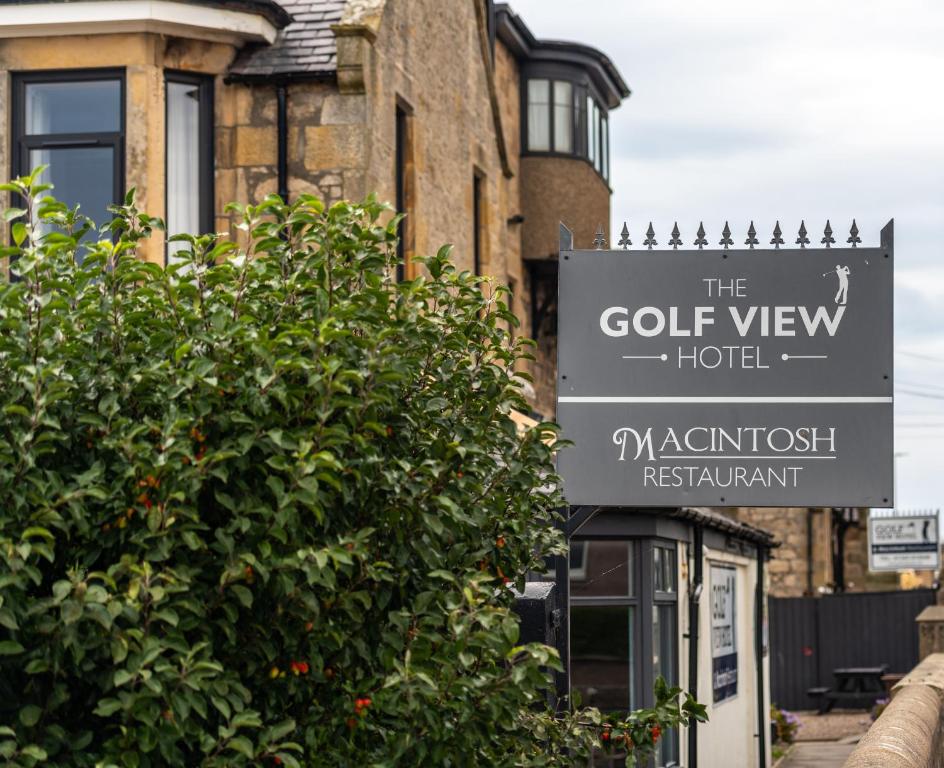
(727, 377)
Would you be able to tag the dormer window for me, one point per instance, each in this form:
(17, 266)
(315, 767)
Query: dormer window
(562, 117)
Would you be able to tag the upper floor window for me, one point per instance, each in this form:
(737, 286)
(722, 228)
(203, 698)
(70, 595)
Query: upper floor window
(73, 122)
(563, 118)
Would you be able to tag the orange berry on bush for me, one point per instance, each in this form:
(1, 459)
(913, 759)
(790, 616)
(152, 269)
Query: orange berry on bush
(656, 732)
(309, 625)
(500, 542)
(605, 736)
(351, 723)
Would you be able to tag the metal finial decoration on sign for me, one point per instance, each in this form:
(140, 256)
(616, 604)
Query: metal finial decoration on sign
(751, 237)
(802, 240)
(624, 241)
(854, 238)
(650, 237)
(599, 242)
(727, 376)
(700, 240)
(676, 240)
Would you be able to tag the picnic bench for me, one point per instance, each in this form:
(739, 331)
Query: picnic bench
(854, 687)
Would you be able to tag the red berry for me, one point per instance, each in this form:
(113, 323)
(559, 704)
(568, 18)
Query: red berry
(605, 735)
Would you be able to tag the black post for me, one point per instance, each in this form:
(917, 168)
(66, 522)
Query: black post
(562, 577)
(693, 600)
(281, 96)
(759, 657)
(562, 569)
(809, 551)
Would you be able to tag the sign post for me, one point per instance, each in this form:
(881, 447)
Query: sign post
(903, 542)
(752, 377)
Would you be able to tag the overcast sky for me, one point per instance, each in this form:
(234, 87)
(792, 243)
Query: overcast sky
(790, 110)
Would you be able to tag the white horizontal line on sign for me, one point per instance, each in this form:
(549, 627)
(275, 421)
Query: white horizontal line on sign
(724, 399)
(704, 457)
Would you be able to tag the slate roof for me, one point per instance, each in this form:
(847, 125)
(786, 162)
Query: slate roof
(305, 48)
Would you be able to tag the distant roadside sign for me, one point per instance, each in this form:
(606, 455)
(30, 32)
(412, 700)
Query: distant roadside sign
(904, 543)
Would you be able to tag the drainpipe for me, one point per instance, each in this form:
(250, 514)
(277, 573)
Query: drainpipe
(809, 551)
(281, 96)
(693, 600)
(759, 657)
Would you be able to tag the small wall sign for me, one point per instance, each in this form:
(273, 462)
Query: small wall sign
(724, 658)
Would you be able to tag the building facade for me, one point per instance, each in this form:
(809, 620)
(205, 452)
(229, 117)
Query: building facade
(454, 112)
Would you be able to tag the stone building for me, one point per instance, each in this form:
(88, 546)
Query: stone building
(482, 134)
(821, 549)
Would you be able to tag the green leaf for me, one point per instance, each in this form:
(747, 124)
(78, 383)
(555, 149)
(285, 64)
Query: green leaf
(10, 648)
(122, 676)
(18, 230)
(107, 707)
(29, 715)
(242, 745)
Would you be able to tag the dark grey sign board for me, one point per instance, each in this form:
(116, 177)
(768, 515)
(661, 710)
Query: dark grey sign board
(727, 377)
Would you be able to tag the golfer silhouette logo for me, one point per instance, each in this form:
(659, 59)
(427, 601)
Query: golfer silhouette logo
(843, 274)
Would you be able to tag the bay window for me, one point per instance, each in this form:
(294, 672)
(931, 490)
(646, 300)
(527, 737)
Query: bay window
(624, 627)
(189, 148)
(72, 121)
(563, 117)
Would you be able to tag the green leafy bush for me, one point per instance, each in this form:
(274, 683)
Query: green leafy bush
(261, 507)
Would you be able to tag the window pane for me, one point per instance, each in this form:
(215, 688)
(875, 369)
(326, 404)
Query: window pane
(663, 569)
(601, 655)
(596, 137)
(183, 161)
(602, 569)
(563, 117)
(664, 662)
(91, 106)
(81, 176)
(591, 131)
(539, 115)
(605, 146)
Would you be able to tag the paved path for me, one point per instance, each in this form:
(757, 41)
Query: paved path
(818, 754)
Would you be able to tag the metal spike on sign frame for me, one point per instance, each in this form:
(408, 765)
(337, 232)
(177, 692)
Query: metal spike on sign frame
(624, 241)
(599, 242)
(828, 238)
(854, 238)
(650, 237)
(777, 240)
(802, 240)
(675, 241)
(700, 240)
(751, 237)
(726, 240)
